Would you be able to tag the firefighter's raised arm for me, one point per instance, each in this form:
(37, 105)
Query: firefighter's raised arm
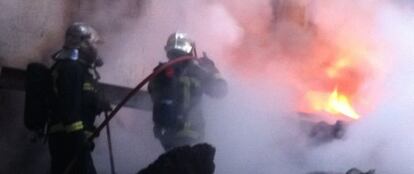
(214, 84)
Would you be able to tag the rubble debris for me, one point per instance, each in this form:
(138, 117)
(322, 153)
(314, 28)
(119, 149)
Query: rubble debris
(320, 128)
(357, 171)
(350, 171)
(197, 159)
(324, 131)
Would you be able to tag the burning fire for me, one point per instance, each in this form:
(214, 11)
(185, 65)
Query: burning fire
(337, 81)
(334, 103)
(326, 67)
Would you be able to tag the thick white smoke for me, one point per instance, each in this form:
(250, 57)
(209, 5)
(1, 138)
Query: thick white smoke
(264, 49)
(254, 128)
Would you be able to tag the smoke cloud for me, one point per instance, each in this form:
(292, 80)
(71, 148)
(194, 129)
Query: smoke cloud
(272, 52)
(274, 56)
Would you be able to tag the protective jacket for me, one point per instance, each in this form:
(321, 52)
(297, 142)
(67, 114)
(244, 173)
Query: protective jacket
(177, 94)
(78, 102)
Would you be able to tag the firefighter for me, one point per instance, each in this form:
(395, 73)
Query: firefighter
(78, 101)
(177, 93)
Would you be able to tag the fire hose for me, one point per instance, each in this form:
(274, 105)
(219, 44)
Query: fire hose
(111, 154)
(125, 100)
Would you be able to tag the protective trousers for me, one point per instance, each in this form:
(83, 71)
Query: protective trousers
(64, 147)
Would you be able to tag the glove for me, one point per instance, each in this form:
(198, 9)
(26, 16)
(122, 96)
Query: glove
(81, 142)
(180, 124)
(204, 68)
(207, 64)
(104, 106)
(158, 132)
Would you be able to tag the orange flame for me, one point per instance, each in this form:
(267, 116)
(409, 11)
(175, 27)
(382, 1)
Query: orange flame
(334, 103)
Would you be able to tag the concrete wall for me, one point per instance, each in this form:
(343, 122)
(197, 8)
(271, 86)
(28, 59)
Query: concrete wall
(32, 31)
(18, 153)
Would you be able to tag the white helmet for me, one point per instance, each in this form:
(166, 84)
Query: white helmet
(178, 44)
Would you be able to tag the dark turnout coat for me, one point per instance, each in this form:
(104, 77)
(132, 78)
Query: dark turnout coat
(78, 102)
(177, 93)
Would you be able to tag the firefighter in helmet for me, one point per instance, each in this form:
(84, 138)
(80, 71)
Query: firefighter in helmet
(78, 101)
(177, 93)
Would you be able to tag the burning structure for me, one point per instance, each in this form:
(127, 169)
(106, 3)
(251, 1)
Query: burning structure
(184, 160)
(327, 69)
(323, 61)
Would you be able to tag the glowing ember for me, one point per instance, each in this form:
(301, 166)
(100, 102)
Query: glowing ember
(334, 103)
